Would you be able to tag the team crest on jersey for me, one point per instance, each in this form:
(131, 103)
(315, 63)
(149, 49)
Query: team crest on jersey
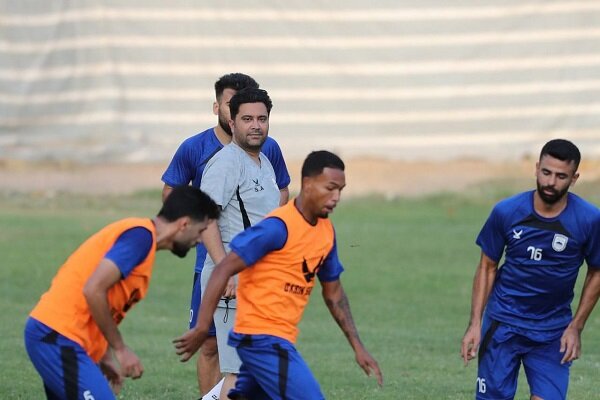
(559, 243)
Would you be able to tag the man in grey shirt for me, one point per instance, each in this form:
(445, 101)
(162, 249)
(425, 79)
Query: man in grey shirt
(241, 180)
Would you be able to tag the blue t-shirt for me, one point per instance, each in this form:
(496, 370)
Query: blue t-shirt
(191, 158)
(130, 249)
(534, 287)
(269, 235)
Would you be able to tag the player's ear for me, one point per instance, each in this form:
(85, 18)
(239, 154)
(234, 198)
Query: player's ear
(183, 223)
(231, 124)
(216, 108)
(575, 177)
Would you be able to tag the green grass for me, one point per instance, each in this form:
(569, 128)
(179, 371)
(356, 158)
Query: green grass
(409, 267)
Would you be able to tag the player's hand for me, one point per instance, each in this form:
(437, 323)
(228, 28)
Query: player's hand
(189, 343)
(111, 371)
(570, 344)
(369, 364)
(470, 343)
(229, 292)
(131, 366)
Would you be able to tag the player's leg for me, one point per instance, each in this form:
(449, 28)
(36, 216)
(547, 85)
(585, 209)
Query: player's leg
(499, 360)
(277, 368)
(66, 369)
(229, 360)
(547, 377)
(207, 363)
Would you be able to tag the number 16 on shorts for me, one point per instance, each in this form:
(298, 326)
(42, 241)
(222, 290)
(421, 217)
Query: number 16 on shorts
(480, 385)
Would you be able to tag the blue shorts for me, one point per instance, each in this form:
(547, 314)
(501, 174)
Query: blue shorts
(272, 368)
(502, 350)
(195, 304)
(66, 369)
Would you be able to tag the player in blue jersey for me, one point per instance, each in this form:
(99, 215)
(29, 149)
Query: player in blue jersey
(187, 167)
(545, 236)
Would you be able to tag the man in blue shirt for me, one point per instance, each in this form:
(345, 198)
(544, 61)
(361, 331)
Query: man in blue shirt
(187, 166)
(545, 236)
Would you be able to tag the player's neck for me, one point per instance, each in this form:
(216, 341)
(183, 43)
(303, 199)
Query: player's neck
(252, 152)
(222, 136)
(546, 210)
(304, 210)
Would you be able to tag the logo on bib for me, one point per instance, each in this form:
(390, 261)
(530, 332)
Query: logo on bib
(559, 243)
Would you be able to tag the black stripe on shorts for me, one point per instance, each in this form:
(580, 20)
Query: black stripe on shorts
(284, 361)
(70, 372)
(486, 339)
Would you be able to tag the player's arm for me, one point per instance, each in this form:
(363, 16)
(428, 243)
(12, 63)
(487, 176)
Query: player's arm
(339, 307)
(213, 242)
(482, 287)
(284, 196)
(570, 342)
(190, 342)
(95, 292)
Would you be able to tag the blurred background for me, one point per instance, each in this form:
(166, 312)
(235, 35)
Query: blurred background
(106, 81)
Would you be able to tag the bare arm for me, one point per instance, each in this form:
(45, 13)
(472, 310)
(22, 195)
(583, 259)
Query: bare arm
(190, 342)
(95, 292)
(166, 191)
(570, 343)
(213, 242)
(284, 196)
(482, 287)
(339, 307)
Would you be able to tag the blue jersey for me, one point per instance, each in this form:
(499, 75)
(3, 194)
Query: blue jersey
(534, 287)
(191, 158)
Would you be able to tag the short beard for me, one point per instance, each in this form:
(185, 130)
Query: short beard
(552, 199)
(224, 124)
(179, 250)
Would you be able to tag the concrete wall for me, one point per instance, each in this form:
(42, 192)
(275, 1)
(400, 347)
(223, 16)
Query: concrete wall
(129, 80)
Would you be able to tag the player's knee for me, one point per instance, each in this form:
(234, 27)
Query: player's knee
(209, 348)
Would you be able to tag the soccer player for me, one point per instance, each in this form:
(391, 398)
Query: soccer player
(241, 180)
(187, 167)
(545, 235)
(278, 260)
(71, 335)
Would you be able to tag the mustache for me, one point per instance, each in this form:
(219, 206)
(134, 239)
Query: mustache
(550, 189)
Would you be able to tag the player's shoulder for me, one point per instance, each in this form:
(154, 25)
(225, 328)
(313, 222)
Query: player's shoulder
(229, 157)
(270, 146)
(205, 137)
(514, 202)
(584, 206)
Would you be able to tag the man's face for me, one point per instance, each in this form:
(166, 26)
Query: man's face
(324, 190)
(251, 126)
(221, 108)
(188, 236)
(553, 178)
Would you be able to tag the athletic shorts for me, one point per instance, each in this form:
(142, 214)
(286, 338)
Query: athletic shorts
(224, 317)
(66, 370)
(195, 304)
(502, 350)
(273, 369)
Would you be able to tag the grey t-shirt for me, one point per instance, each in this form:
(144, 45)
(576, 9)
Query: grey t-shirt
(230, 170)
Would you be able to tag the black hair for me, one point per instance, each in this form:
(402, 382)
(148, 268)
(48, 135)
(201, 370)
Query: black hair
(249, 95)
(563, 150)
(318, 160)
(236, 81)
(188, 201)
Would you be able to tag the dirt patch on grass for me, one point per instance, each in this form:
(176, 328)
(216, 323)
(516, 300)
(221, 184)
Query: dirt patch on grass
(364, 176)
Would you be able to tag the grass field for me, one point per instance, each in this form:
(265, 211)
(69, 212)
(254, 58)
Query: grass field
(409, 267)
